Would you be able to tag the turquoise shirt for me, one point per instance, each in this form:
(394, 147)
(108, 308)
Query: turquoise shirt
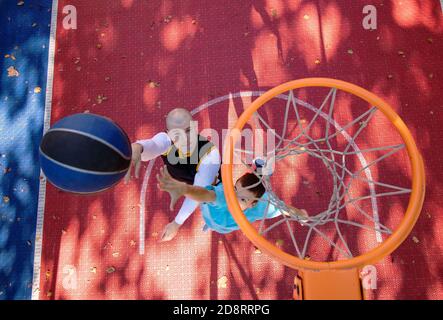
(218, 218)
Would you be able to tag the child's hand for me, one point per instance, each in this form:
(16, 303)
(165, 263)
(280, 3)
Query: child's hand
(175, 188)
(300, 213)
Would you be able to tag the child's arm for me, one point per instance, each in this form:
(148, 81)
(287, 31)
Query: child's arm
(199, 194)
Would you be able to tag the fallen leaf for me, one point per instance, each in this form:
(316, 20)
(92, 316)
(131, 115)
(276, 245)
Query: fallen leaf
(194, 21)
(115, 254)
(110, 270)
(317, 61)
(153, 84)
(37, 90)
(306, 17)
(257, 251)
(350, 51)
(13, 72)
(93, 269)
(100, 98)
(273, 13)
(5, 199)
(47, 275)
(415, 239)
(308, 258)
(49, 294)
(167, 268)
(107, 245)
(222, 283)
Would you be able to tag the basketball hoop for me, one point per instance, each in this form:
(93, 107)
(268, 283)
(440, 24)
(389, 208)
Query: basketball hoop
(334, 160)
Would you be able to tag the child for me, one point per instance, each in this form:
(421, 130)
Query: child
(214, 208)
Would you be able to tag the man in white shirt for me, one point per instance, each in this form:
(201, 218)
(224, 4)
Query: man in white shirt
(188, 157)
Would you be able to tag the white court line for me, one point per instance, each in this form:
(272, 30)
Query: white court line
(42, 186)
(214, 101)
(141, 247)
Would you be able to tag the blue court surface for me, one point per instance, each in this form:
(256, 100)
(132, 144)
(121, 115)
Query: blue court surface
(24, 41)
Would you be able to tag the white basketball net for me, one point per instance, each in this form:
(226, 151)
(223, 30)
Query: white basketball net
(336, 163)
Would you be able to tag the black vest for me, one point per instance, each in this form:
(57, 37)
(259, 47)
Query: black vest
(184, 167)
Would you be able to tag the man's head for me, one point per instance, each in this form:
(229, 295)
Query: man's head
(182, 129)
(248, 189)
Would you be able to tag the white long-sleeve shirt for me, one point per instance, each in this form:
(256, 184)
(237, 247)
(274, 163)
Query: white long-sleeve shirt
(205, 176)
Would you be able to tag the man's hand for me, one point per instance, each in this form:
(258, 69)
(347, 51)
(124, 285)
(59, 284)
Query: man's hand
(175, 188)
(137, 150)
(170, 231)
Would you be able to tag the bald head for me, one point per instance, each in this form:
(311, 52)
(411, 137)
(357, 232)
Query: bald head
(178, 118)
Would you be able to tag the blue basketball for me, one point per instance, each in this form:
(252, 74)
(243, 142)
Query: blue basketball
(85, 153)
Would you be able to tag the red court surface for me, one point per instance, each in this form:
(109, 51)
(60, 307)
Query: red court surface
(134, 61)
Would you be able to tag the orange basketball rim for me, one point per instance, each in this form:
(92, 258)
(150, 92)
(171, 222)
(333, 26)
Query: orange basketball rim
(387, 246)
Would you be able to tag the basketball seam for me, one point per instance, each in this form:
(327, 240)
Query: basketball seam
(93, 138)
(78, 169)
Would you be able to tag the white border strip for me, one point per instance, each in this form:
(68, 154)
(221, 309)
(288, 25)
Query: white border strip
(42, 188)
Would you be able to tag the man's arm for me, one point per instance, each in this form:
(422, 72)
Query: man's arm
(145, 150)
(154, 147)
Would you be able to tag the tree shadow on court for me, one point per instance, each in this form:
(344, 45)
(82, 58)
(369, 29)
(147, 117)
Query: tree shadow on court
(395, 69)
(148, 58)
